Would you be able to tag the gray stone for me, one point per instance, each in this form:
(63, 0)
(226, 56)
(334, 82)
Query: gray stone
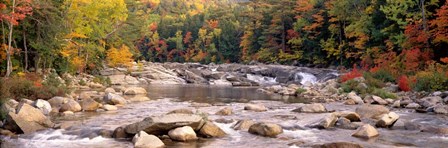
(135, 91)
(43, 106)
(225, 111)
(379, 100)
(114, 99)
(181, 111)
(89, 105)
(441, 109)
(413, 106)
(327, 122)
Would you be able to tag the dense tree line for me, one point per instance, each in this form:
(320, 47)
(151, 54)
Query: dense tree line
(402, 36)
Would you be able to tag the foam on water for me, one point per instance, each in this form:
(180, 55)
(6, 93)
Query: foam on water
(305, 78)
(262, 79)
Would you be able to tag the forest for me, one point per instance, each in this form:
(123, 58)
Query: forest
(399, 37)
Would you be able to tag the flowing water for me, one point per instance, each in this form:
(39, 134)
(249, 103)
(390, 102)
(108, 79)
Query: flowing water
(81, 131)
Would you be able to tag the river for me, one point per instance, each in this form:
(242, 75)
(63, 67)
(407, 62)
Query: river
(82, 130)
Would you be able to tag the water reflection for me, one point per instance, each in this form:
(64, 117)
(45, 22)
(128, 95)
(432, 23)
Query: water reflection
(214, 94)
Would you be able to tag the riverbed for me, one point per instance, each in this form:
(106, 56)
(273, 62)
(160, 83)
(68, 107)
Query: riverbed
(82, 129)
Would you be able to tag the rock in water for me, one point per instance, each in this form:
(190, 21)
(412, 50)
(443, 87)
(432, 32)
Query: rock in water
(266, 129)
(71, 105)
(225, 111)
(109, 90)
(371, 111)
(181, 111)
(211, 130)
(89, 105)
(311, 108)
(162, 124)
(387, 120)
(255, 107)
(338, 145)
(108, 107)
(119, 133)
(366, 131)
(135, 91)
(352, 116)
(185, 133)
(114, 99)
(43, 106)
(27, 120)
(327, 122)
(243, 125)
(143, 140)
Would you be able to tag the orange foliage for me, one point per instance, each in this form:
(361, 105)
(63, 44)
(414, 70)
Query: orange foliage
(187, 37)
(153, 27)
(444, 60)
(213, 24)
(119, 57)
(440, 24)
(355, 73)
(403, 83)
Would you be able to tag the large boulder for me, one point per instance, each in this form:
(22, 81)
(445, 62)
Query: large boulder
(311, 108)
(184, 133)
(89, 105)
(135, 91)
(243, 125)
(430, 101)
(143, 140)
(119, 133)
(162, 124)
(43, 106)
(255, 107)
(9, 106)
(211, 130)
(71, 105)
(413, 106)
(387, 120)
(441, 109)
(27, 120)
(266, 129)
(109, 90)
(114, 99)
(371, 111)
(225, 111)
(366, 131)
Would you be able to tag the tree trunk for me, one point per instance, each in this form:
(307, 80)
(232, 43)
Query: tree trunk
(8, 51)
(26, 51)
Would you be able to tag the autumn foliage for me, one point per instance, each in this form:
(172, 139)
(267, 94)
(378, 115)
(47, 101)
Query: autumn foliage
(403, 83)
(355, 73)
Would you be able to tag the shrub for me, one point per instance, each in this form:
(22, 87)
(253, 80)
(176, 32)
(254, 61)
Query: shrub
(355, 73)
(82, 82)
(300, 91)
(384, 94)
(431, 81)
(371, 81)
(102, 80)
(352, 85)
(383, 75)
(403, 83)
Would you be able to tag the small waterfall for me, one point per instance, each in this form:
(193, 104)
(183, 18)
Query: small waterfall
(262, 80)
(304, 78)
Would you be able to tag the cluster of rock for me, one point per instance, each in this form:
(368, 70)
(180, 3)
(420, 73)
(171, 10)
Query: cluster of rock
(222, 75)
(364, 119)
(28, 116)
